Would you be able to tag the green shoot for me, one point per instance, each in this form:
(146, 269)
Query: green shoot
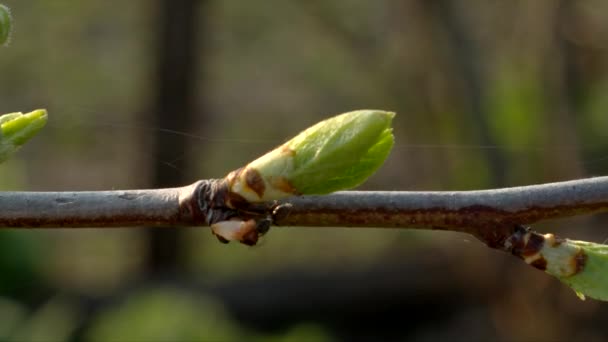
(581, 265)
(6, 25)
(335, 154)
(592, 279)
(17, 128)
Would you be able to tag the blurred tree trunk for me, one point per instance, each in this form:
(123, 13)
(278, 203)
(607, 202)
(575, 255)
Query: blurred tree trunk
(467, 59)
(564, 96)
(174, 108)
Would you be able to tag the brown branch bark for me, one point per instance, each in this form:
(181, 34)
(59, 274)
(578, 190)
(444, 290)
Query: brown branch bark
(448, 210)
(482, 213)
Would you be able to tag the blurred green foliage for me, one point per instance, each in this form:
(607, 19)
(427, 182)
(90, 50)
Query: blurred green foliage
(163, 314)
(55, 320)
(21, 258)
(167, 314)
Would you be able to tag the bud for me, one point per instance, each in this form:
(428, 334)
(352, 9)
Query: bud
(583, 266)
(335, 154)
(592, 278)
(17, 128)
(6, 25)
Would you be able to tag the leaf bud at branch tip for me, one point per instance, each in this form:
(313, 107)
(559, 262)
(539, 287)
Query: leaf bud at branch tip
(335, 154)
(6, 25)
(583, 266)
(17, 128)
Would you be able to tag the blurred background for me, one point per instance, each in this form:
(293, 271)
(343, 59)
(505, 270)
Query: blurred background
(161, 93)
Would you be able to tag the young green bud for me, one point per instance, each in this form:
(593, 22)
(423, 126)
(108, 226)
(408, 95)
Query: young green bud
(583, 266)
(6, 25)
(18, 128)
(592, 278)
(335, 154)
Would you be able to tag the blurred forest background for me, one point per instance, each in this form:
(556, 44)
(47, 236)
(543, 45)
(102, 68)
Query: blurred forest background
(161, 93)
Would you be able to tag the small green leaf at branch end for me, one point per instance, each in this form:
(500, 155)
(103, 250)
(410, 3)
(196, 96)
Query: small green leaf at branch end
(17, 128)
(581, 265)
(591, 280)
(335, 154)
(6, 25)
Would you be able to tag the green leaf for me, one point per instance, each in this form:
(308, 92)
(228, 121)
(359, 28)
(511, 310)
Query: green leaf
(335, 154)
(17, 128)
(6, 25)
(592, 278)
(342, 152)
(581, 265)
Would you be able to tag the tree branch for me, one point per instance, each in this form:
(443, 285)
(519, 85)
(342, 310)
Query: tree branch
(494, 216)
(82, 209)
(490, 215)
(454, 210)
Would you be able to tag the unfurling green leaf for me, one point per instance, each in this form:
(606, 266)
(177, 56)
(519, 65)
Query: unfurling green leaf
(583, 266)
(335, 154)
(342, 152)
(6, 25)
(591, 280)
(17, 128)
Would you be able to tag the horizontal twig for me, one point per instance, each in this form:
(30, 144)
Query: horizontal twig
(90, 209)
(491, 215)
(466, 211)
(447, 209)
